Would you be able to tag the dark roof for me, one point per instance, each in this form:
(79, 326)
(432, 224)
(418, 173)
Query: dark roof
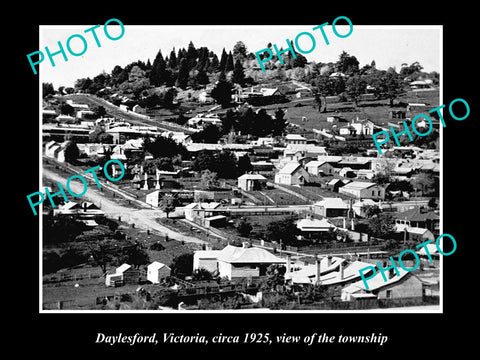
(417, 215)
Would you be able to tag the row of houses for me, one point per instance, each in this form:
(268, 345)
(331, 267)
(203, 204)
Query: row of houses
(330, 271)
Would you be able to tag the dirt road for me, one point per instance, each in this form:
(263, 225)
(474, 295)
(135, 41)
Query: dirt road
(143, 219)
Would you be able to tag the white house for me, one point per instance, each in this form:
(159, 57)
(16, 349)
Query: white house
(295, 139)
(363, 190)
(244, 262)
(331, 207)
(156, 271)
(311, 225)
(316, 167)
(199, 209)
(250, 182)
(291, 174)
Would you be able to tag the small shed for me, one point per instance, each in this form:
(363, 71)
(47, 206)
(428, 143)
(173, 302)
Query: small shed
(129, 274)
(216, 221)
(157, 271)
(113, 279)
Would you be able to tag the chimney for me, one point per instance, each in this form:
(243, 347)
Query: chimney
(344, 223)
(352, 225)
(341, 271)
(391, 273)
(84, 207)
(245, 244)
(289, 267)
(329, 260)
(317, 274)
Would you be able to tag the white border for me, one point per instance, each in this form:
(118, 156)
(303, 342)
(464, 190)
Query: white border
(261, 311)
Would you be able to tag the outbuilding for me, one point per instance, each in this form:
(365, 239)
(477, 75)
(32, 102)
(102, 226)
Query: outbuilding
(156, 272)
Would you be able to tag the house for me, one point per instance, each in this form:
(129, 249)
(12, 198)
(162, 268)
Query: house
(56, 150)
(291, 174)
(295, 152)
(295, 139)
(215, 221)
(156, 272)
(316, 167)
(265, 168)
(361, 206)
(335, 184)
(79, 210)
(403, 285)
(312, 227)
(200, 210)
(331, 207)
(347, 172)
(250, 182)
(363, 190)
(421, 84)
(419, 217)
(415, 233)
(125, 274)
(245, 262)
(206, 259)
(355, 162)
(312, 273)
(343, 273)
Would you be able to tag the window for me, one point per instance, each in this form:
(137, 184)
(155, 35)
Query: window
(373, 192)
(378, 192)
(388, 295)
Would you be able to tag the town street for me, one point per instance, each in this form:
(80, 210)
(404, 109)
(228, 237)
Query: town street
(143, 219)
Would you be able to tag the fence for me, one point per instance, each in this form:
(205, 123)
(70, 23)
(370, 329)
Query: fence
(47, 279)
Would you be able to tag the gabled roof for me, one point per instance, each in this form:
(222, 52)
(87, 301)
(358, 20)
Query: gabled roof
(289, 168)
(156, 266)
(252, 177)
(358, 185)
(294, 137)
(377, 282)
(252, 255)
(332, 203)
(314, 225)
(416, 215)
(122, 268)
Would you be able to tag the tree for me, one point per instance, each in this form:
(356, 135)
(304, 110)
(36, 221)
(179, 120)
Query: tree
(172, 60)
(99, 111)
(244, 164)
(279, 123)
(229, 65)
(239, 51)
(423, 181)
(372, 210)
(226, 165)
(66, 109)
(282, 230)
(223, 60)
(182, 265)
(325, 87)
(209, 179)
(202, 274)
(103, 253)
(158, 72)
(203, 161)
(71, 152)
(355, 86)
(133, 254)
(390, 86)
(183, 74)
(210, 134)
(47, 89)
(347, 64)
(222, 93)
(381, 225)
(191, 56)
(243, 227)
(168, 203)
(238, 73)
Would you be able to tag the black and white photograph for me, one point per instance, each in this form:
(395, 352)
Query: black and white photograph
(224, 181)
(220, 183)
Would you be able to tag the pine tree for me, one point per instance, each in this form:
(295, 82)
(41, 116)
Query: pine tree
(229, 65)
(223, 60)
(191, 56)
(183, 71)
(238, 73)
(158, 74)
(172, 60)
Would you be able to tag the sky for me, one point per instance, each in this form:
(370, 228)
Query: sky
(387, 45)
